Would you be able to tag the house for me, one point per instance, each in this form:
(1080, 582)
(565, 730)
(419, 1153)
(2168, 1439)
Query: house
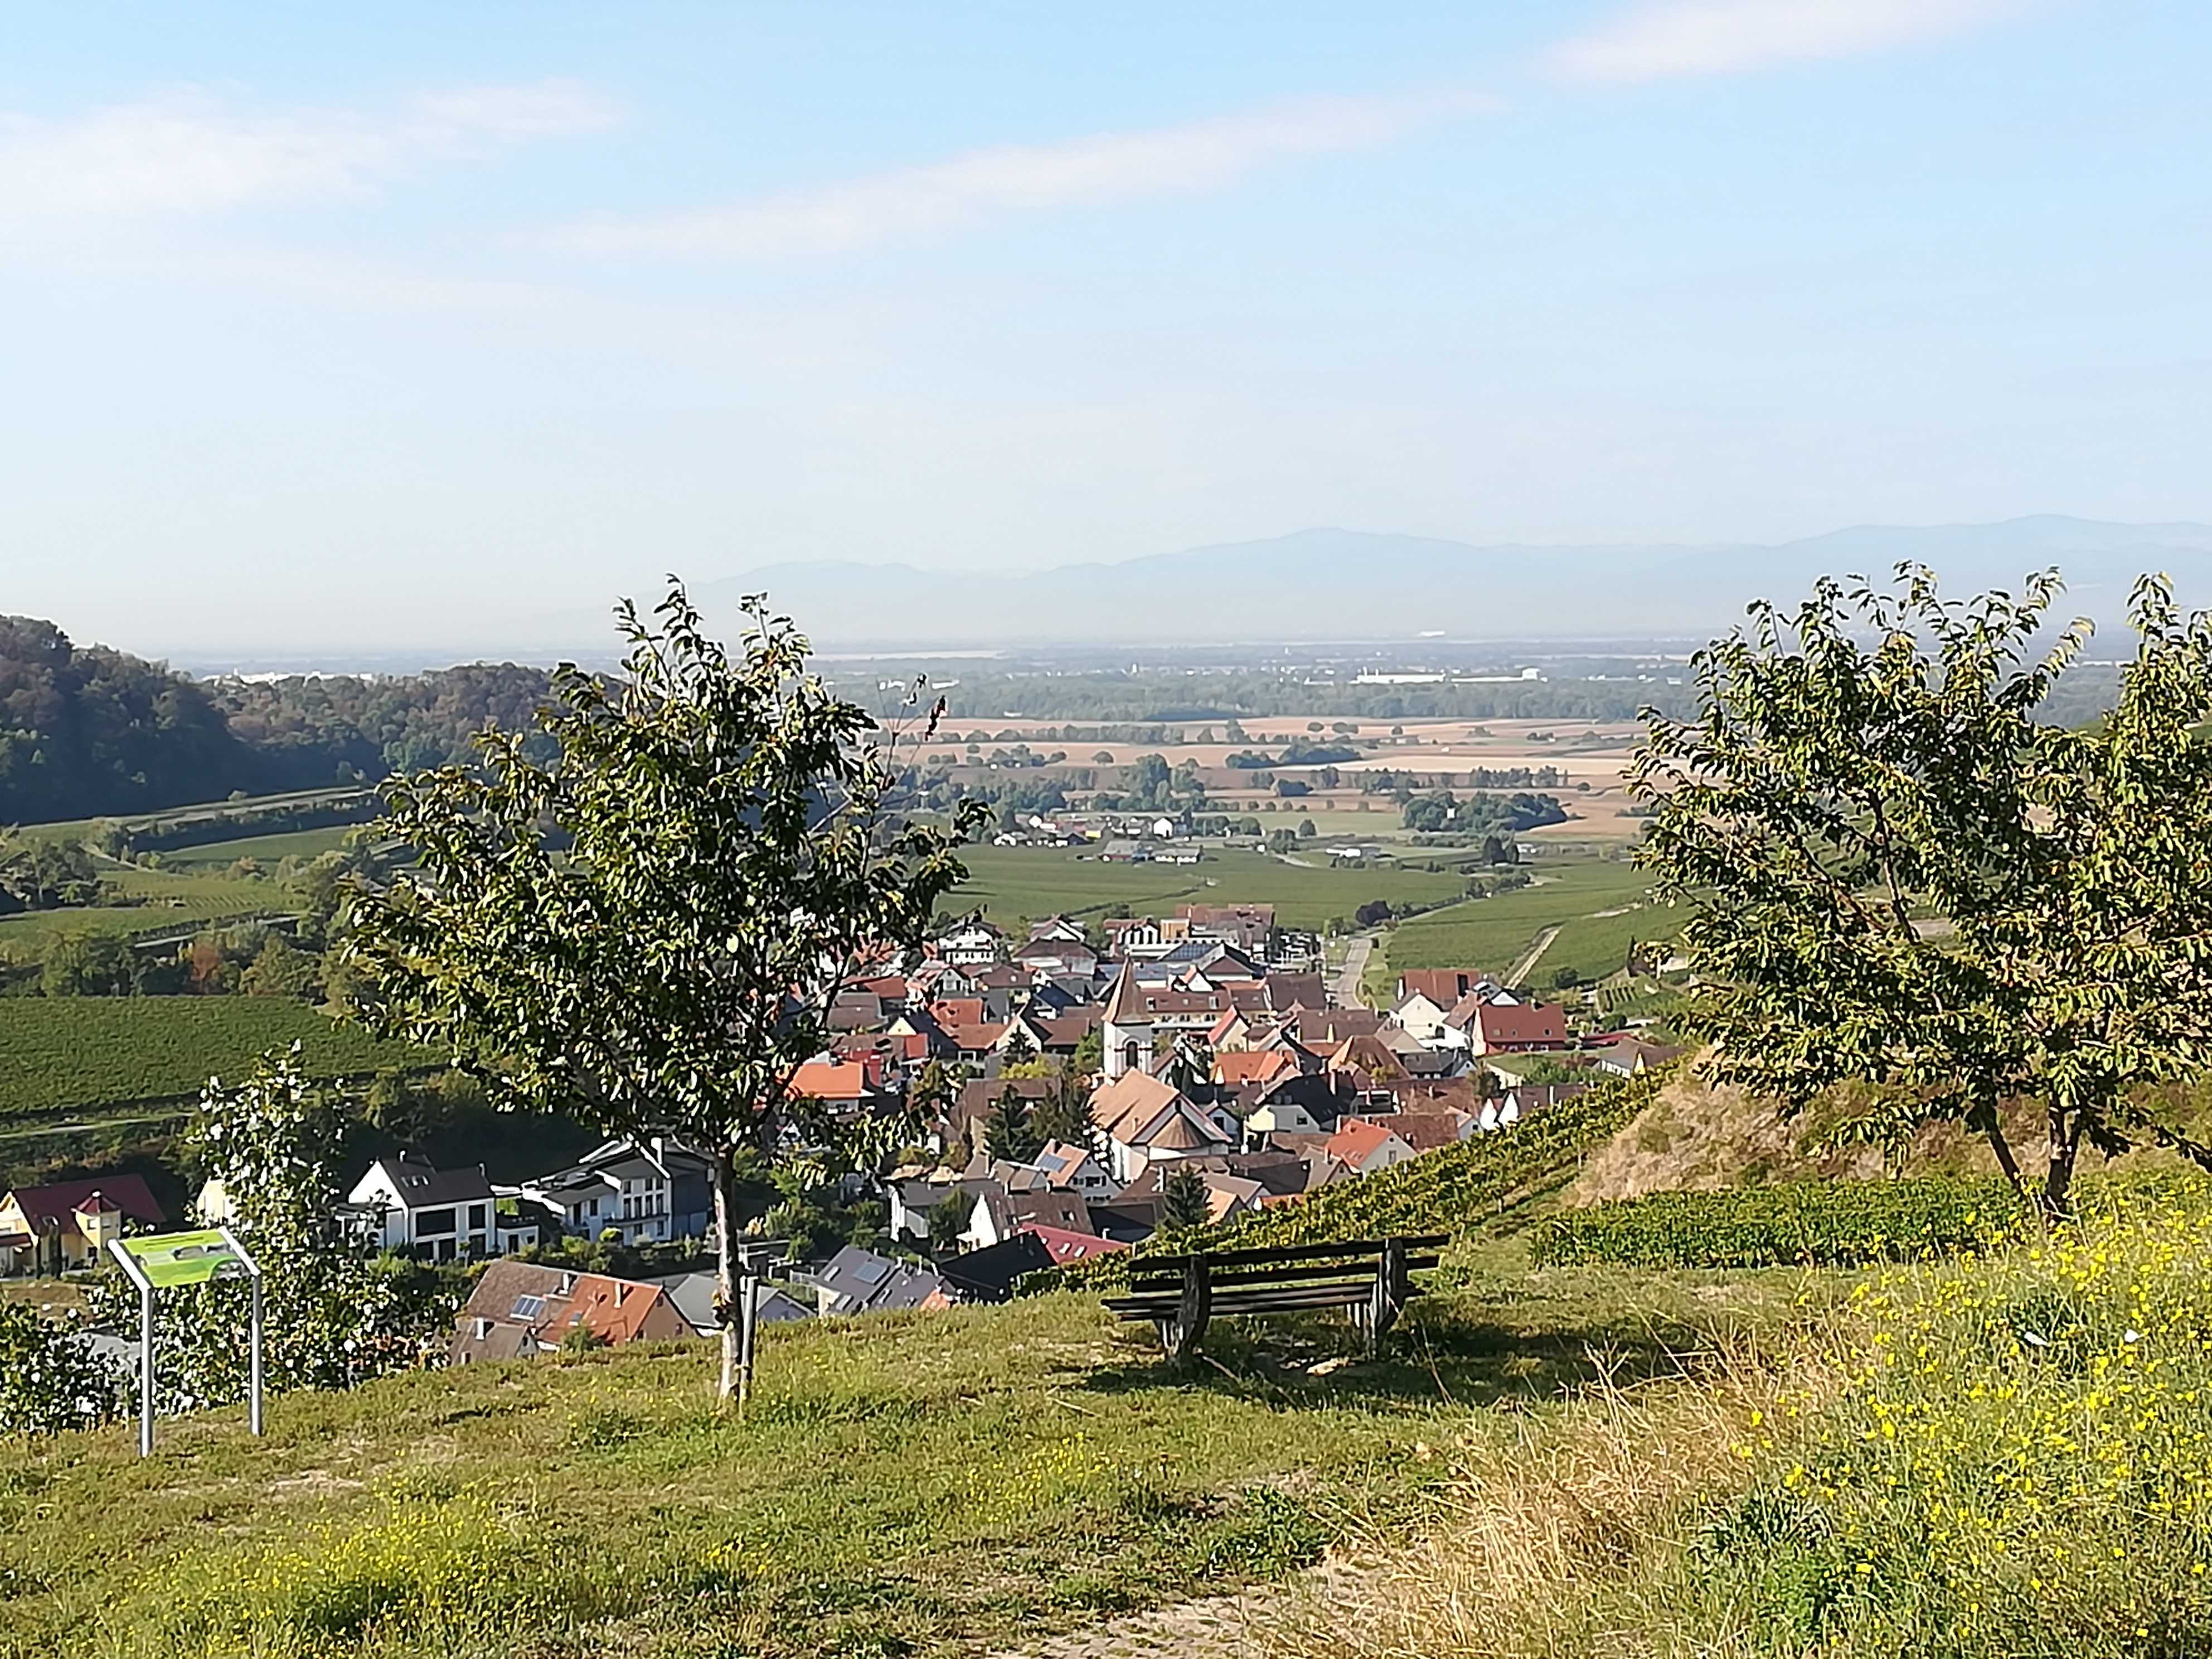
(1289, 991)
(1063, 1245)
(417, 1207)
(1364, 1146)
(1515, 1028)
(646, 1190)
(1146, 1012)
(1237, 1068)
(1440, 986)
(1076, 1169)
(857, 1281)
(1248, 927)
(1523, 1100)
(842, 1085)
(1000, 1214)
(1624, 1055)
(1429, 1131)
(973, 942)
(693, 1294)
(978, 1099)
(519, 1309)
(990, 1272)
(1144, 1119)
(57, 1227)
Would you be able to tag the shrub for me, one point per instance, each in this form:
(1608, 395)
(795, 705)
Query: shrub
(1812, 1224)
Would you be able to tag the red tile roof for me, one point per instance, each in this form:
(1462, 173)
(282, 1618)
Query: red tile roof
(1356, 1140)
(1066, 1246)
(1520, 1025)
(53, 1205)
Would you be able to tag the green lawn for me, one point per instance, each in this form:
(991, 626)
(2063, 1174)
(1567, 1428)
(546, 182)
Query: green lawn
(1491, 934)
(1038, 882)
(68, 1054)
(937, 1483)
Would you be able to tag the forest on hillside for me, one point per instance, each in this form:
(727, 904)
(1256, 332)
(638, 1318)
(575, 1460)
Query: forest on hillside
(90, 732)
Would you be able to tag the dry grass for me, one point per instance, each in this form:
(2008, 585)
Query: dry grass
(1529, 1524)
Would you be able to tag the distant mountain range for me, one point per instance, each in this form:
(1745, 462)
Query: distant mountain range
(1346, 585)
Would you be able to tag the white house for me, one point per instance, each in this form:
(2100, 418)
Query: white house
(443, 1213)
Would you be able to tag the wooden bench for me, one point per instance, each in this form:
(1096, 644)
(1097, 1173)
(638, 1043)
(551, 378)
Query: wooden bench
(1372, 1278)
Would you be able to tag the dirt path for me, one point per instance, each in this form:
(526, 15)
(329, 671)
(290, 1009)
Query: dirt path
(1216, 1627)
(1520, 971)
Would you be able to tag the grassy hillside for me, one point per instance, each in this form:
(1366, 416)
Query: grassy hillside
(71, 1055)
(907, 1484)
(301, 844)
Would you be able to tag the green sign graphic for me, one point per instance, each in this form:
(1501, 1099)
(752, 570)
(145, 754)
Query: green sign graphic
(191, 1258)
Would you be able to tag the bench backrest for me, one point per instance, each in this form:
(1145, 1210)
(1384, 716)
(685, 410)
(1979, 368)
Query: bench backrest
(1281, 1263)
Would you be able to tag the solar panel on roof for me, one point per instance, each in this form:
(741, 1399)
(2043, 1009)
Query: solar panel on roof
(528, 1307)
(869, 1272)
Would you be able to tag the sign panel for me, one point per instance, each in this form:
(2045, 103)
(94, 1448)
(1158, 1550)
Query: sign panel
(193, 1258)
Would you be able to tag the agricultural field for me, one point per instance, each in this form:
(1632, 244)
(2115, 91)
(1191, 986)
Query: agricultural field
(169, 901)
(69, 1055)
(1597, 905)
(1009, 882)
(269, 850)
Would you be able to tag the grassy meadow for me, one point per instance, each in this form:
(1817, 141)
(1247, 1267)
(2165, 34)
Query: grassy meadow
(269, 850)
(904, 1483)
(161, 901)
(63, 1056)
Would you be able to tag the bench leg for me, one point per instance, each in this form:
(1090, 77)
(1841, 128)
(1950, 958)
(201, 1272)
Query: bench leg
(1190, 1320)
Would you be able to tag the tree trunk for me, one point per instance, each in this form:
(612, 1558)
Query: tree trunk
(2065, 1138)
(725, 1271)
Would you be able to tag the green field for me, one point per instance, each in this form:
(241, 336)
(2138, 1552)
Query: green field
(68, 1054)
(1492, 934)
(301, 844)
(1038, 882)
(171, 900)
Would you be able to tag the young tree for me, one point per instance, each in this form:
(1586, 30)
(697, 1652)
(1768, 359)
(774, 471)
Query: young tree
(1010, 1133)
(1185, 1200)
(1897, 871)
(646, 930)
(1065, 1114)
(949, 1219)
(51, 1376)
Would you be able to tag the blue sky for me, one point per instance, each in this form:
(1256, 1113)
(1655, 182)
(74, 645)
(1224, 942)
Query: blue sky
(410, 323)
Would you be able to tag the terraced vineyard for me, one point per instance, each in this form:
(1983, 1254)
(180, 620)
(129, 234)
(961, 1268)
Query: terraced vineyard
(73, 1055)
(168, 901)
(1457, 1189)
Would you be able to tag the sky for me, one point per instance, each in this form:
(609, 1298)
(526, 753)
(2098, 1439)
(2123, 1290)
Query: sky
(421, 323)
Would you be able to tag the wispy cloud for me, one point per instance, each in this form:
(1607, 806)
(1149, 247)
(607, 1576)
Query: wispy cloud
(1112, 166)
(189, 152)
(1662, 39)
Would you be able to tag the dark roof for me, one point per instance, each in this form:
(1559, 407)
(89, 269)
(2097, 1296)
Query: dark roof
(1295, 991)
(989, 1274)
(50, 1207)
(422, 1184)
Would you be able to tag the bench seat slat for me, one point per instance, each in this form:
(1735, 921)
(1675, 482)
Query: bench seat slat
(1289, 1297)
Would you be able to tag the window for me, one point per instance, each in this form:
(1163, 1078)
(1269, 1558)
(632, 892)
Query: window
(433, 1224)
(529, 1307)
(477, 1217)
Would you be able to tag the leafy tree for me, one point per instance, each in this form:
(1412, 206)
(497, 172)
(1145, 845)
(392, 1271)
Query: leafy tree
(81, 965)
(1899, 869)
(1373, 914)
(1065, 1114)
(729, 857)
(949, 1219)
(1011, 1132)
(1189, 1064)
(1306, 830)
(580, 1340)
(280, 969)
(1090, 1056)
(329, 1317)
(50, 1378)
(1566, 979)
(1185, 1199)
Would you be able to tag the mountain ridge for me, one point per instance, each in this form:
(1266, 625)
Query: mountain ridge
(1334, 584)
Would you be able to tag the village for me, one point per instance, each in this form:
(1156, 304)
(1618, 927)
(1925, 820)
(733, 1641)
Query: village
(1072, 1092)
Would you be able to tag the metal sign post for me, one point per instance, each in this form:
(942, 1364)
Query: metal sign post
(154, 1261)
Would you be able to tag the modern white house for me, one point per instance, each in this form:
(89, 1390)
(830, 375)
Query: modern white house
(645, 1191)
(414, 1206)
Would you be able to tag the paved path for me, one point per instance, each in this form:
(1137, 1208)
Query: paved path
(1346, 990)
(1518, 974)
